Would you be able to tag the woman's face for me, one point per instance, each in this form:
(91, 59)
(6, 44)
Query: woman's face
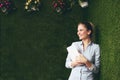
(82, 32)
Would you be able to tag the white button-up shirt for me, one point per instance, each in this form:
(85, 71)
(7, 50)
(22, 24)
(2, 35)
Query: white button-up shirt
(92, 53)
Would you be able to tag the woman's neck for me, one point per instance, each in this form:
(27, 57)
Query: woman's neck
(86, 42)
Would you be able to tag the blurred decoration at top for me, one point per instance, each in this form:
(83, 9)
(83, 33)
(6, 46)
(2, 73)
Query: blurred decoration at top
(7, 6)
(83, 3)
(32, 5)
(62, 6)
(59, 6)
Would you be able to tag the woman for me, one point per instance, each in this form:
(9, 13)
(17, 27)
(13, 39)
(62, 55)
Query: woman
(83, 56)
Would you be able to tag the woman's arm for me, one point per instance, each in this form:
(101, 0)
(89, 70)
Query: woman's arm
(70, 64)
(91, 66)
(96, 64)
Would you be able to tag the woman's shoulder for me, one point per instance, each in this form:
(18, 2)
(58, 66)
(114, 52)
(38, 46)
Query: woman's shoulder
(77, 43)
(95, 45)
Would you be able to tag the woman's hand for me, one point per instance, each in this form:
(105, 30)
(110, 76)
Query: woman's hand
(83, 60)
(78, 61)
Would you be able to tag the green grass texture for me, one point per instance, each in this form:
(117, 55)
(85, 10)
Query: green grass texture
(33, 46)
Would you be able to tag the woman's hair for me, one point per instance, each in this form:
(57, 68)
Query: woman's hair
(88, 26)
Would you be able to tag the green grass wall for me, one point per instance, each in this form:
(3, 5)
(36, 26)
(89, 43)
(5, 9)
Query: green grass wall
(33, 46)
(106, 16)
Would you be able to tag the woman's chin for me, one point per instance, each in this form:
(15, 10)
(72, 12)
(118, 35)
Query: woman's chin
(80, 38)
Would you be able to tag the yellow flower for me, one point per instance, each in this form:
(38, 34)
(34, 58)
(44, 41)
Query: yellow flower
(26, 7)
(27, 3)
(38, 0)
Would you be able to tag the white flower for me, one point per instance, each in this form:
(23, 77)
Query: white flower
(35, 2)
(83, 4)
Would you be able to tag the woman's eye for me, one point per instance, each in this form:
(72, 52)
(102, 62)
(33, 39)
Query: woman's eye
(80, 30)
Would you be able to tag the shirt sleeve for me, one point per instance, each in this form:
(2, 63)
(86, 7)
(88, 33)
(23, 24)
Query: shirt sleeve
(72, 52)
(68, 62)
(95, 66)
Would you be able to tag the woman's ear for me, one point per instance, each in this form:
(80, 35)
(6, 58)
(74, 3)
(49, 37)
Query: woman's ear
(89, 32)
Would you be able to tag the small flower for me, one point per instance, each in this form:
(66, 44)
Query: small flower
(83, 3)
(7, 6)
(32, 5)
(58, 6)
(1, 5)
(27, 3)
(26, 7)
(35, 2)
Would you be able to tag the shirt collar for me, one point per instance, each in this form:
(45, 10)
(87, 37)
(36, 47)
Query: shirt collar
(81, 43)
